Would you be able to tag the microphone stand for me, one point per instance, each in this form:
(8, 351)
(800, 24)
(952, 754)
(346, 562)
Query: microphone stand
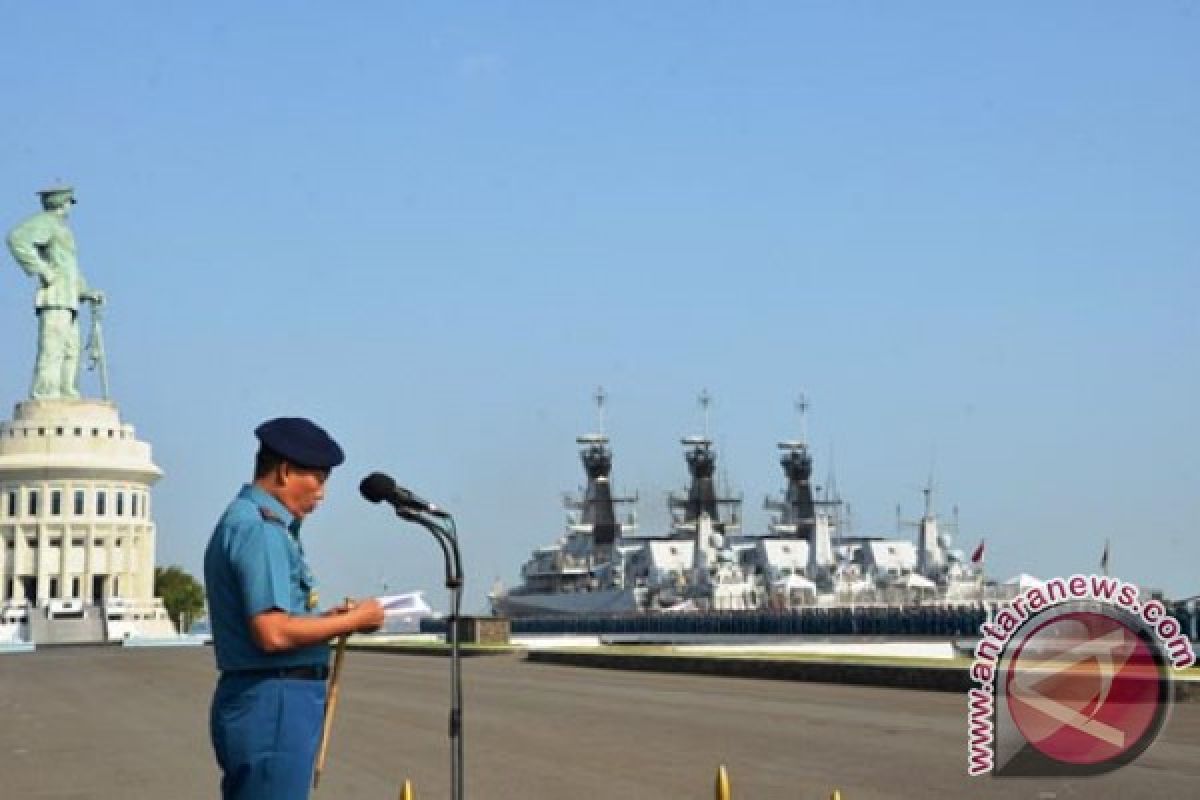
(446, 535)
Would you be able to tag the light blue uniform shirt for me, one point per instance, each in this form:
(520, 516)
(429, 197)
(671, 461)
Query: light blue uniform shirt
(254, 563)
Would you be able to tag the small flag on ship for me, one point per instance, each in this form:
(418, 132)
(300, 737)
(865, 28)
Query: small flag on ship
(977, 556)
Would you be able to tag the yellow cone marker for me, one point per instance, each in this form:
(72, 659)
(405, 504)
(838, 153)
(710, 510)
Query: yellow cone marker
(722, 783)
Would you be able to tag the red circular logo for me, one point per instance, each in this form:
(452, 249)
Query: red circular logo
(1084, 688)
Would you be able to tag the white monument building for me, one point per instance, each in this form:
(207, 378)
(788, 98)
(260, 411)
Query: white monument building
(77, 560)
(77, 534)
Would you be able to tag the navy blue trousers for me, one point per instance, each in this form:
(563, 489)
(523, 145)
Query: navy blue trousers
(265, 733)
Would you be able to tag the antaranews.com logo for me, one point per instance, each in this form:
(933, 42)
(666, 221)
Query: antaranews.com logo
(1073, 678)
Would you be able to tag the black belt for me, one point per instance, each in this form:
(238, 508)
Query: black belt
(310, 672)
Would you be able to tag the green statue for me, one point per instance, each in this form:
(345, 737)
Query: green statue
(45, 248)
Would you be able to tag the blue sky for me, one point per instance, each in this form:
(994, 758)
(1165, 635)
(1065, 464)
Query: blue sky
(968, 234)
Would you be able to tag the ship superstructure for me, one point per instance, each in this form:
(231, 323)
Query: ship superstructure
(583, 570)
(795, 558)
(705, 561)
(705, 524)
(601, 564)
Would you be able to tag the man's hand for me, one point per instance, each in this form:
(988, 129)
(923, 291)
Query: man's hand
(93, 296)
(367, 615)
(338, 610)
(276, 630)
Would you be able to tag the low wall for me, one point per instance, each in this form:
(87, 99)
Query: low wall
(901, 676)
(944, 679)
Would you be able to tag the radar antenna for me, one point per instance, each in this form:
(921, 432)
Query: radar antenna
(705, 401)
(840, 512)
(801, 408)
(929, 485)
(831, 480)
(601, 398)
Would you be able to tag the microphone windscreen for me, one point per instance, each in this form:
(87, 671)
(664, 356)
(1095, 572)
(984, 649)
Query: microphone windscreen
(376, 486)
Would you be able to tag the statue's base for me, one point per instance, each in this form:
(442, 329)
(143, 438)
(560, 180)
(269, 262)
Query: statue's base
(72, 411)
(83, 436)
(75, 519)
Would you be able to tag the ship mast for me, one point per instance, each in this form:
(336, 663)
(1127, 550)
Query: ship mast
(600, 397)
(797, 511)
(801, 407)
(703, 498)
(598, 516)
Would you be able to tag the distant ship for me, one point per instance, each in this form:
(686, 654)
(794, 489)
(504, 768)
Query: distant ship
(705, 562)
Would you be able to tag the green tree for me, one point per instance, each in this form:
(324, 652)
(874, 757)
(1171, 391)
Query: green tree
(180, 592)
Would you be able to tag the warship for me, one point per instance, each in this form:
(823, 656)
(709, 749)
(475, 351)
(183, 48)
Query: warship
(706, 562)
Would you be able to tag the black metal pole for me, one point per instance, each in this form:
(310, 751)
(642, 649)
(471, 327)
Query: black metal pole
(447, 539)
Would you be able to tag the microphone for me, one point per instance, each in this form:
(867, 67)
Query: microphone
(377, 487)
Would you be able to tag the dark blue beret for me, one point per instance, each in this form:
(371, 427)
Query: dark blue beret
(301, 442)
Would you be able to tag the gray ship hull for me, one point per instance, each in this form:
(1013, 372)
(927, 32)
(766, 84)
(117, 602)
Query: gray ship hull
(601, 601)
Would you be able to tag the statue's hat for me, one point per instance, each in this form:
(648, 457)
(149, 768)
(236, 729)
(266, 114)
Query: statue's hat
(301, 442)
(58, 192)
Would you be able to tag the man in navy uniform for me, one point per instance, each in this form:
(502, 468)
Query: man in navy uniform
(271, 641)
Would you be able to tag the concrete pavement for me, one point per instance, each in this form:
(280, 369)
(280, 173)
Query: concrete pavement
(129, 724)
